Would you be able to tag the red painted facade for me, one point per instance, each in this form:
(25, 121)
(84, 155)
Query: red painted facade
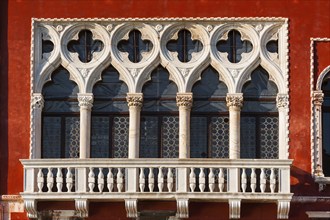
(307, 19)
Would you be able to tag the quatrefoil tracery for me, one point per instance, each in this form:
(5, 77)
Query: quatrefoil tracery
(184, 46)
(234, 46)
(85, 46)
(135, 46)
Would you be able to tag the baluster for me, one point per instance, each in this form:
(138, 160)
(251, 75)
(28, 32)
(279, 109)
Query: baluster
(142, 180)
(160, 179)
(50, 179)
(192, 179)
(253, 180)
(202, 180)
(120, 180)
(40, 180)
(272, 180)
(100, 180)
(262, 180)
(151, 180)
(244, 180)
(91, 179)
(110, 180)
(221, 180)
(170, 180)
(211, 180)
(69, 180)
(59, 180)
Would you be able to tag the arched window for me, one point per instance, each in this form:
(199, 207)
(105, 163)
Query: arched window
(209, 125)
(159, 117)
(60, 117)
(110, 121)
(326, 126)
(259, 117)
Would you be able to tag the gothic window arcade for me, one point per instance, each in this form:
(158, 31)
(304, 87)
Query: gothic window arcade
(160, 88)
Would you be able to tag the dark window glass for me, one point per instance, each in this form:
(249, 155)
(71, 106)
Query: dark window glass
(85, 46)
(60, 122)
(135, 46)
(110, 120)
(259, 117)
(326, 126)
(159, 133)
(209, 125)
(272, 46)
(234, 46)
(184, 46)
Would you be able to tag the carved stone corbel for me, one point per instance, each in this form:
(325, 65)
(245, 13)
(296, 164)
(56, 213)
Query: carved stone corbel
(30, 206)
(82, 207)
(283, 208)
(131, 208)
(234, 208)
(182, 208)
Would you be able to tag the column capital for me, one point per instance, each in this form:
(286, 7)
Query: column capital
(37, 101)
(184, 99)
(85, 100)
(134, 99)
(282, 101)
(317, 97)
(234, 100)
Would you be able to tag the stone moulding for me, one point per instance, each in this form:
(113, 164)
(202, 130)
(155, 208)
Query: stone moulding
(316, 97)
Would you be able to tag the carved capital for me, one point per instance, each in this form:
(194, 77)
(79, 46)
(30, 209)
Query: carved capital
(184, 99)
(134, 99)
(234, 100)
(85, 100)
(37, 101)
(30, 206)
(282, 101)
(82, 207)
(317, 98)
(234, 208)
(131, 208)
(283, 208)
(182, 208)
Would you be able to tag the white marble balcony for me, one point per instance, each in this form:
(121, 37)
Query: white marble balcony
(180, 180)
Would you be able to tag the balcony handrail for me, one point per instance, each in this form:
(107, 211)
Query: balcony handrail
(158, 162)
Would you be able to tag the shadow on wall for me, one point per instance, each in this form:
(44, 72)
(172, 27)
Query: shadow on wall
(3, 96)
(304, 184)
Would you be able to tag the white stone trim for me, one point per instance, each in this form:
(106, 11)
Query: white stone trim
(316, 95)
(318, 214)
(131, 208)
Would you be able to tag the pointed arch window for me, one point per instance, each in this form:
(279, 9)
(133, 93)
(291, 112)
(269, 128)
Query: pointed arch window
(259, 117)
(159, 117)
(209, 124)
(325, 125)
(110, 120)
(60, 117)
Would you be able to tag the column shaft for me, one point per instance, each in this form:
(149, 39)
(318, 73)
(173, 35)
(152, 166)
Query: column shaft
(85, 104)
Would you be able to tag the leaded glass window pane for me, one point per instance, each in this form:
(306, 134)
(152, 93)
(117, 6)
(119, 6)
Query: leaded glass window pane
(268, 137)
(100, 138)
(209, 125)
(51, 137)
(72, 125)
(120, 137)
(248, 137)
(170, 137)
(149, 137)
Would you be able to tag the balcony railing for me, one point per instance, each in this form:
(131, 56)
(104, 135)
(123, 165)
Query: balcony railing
(182, 180)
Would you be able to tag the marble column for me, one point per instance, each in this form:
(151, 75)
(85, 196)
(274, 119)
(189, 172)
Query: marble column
(134, 101)
(184, 102)
(282, 102)
(234, 104)
(85, 103)
(37, 104)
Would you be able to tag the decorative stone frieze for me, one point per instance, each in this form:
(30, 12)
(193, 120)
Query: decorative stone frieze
(234, 100)
(37, 101)
(282, 101)
(317, 98)
(85, 101)
(134, 99)
(184, 100)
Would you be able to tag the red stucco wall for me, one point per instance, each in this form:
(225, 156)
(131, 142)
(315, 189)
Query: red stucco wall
(307, 19)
